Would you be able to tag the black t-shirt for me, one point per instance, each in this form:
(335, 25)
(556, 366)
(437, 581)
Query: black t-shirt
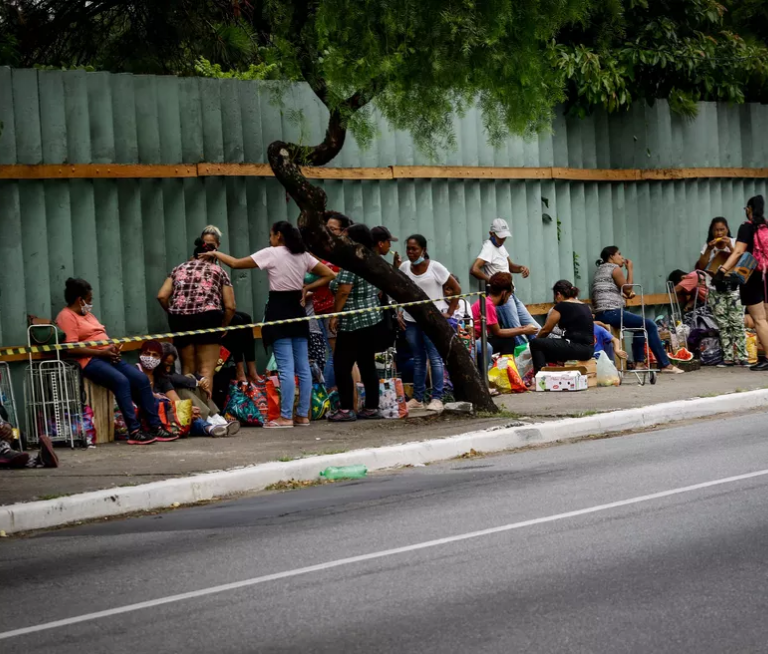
(577, 322)
(746, 235)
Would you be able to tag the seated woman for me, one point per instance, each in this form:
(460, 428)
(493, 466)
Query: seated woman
(691, 288)
(609, 291)
(175, 387)
(104, 366)
(574, 318)
(500, 340)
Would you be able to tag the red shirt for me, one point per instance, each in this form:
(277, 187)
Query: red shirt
(323, 299)
(491, 317)
(79, 328)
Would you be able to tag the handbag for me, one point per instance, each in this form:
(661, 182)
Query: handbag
(321, 403)
(176, 417)
(241, 407)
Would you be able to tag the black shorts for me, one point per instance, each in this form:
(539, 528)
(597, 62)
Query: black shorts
(206, 320)
(753, 292)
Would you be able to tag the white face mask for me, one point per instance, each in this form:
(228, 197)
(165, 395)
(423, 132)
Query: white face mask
(149, 362)
(86, 309)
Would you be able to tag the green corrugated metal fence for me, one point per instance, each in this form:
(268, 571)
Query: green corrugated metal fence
(124, 236)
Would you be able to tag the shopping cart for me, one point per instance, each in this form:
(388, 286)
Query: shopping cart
(679, 329)
(52, 398)
(643, 373)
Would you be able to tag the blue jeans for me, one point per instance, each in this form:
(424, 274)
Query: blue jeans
(613, 318)
(421, 348)
(512, 315)
(292, 358)
(198, 427)
(488, 354)
(127, 383)
(328, 372)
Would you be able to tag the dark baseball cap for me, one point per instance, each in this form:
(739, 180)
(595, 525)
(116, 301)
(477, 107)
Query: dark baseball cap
(382, 234)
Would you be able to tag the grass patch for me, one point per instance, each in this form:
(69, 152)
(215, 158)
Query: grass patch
(472, 454)
(501, 413)
(53, 496)
(295, 484)
(306, 455)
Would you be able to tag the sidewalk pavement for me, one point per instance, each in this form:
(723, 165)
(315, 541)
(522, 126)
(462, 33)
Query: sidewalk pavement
(118, 464)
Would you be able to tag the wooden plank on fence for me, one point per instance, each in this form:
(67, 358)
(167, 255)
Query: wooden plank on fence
(470, 172)
(97, 171)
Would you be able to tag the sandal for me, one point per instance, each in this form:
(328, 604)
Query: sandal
(672, 370)
(299, 422)
(274, 424)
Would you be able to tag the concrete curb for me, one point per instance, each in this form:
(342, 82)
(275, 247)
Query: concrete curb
(28, 516)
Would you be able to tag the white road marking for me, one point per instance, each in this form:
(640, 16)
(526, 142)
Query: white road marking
(203, 592)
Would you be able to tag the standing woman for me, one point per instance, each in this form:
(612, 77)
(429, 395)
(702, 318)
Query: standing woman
(753, 293)
(103, 365)
(724, 295)
(574, 318)
(434, 279)
(286, 261)
(608, 299)
(358, 337)
(198, 295)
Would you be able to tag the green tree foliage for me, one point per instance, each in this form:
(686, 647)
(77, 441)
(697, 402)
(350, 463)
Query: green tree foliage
(681, 50)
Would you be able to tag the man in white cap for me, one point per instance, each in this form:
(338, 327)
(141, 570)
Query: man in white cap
(494, 258)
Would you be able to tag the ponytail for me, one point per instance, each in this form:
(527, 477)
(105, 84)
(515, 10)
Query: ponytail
(566, 289)
(291, 236)
(606, 254)
(757, 204)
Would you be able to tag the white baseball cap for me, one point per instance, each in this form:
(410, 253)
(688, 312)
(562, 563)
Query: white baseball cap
(500, 228)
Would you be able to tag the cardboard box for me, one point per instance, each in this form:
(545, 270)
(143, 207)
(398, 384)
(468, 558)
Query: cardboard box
(570, 380)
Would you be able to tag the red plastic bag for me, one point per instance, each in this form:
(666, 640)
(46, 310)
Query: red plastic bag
(272, 390)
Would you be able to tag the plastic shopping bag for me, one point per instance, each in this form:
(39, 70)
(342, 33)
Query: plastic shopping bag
(524, 363)
(607, 375)
(388, 399)
(505, 377)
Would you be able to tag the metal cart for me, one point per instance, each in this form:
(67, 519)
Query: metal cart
(52, 398)
(644, 373)
(676, 316)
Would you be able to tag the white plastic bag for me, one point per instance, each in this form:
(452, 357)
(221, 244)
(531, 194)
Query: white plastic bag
(607, 375)
(524, 364)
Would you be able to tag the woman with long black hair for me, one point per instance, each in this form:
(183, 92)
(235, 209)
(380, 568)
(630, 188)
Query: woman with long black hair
(753, 293)
(286, 261)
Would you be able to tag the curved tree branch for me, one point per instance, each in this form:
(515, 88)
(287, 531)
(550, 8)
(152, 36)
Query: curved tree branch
(370, 266)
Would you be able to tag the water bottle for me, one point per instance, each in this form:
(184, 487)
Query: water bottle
(344, 472)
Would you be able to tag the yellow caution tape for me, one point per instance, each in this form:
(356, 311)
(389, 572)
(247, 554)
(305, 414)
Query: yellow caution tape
(37, 349)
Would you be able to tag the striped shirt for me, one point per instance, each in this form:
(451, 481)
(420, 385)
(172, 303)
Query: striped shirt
(605, 294)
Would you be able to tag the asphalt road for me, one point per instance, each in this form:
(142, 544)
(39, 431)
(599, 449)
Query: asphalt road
(653, 542)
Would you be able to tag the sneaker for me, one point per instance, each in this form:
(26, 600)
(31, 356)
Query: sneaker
(414, 405)
(744, 364)
(232, 427)
(725, 364)
(342, 416)
(217, 419)
(761, 366)
(10, 458)
(369, 414)
(216, 431)
(163, 436)
(436, 405)
(140, 438)
(47, 456)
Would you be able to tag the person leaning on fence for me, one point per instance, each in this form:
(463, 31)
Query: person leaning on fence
(608, 299)
(434, 279)
(357, 337)
(724, 297)
(494, 258)
(198, 294)
(753, 293)
(286, 261)
(501, 340)
(574, 318)
(104, 366)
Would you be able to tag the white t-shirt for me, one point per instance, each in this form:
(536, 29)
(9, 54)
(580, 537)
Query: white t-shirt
(285, 270)
(716, 251)
(431, 282)
(496, 258)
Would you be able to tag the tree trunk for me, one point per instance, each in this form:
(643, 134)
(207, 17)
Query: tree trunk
(369, 265)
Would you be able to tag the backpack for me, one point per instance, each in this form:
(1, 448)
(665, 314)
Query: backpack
(760, 248)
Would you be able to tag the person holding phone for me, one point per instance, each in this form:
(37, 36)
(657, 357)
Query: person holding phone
(103, 364)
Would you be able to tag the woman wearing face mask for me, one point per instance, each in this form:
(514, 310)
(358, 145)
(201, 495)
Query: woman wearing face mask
(198, 295)
(103, 365)
(608, 299)
(286, 262)
(435, 280)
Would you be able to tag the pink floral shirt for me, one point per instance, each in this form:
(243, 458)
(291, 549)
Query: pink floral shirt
(197, 287)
